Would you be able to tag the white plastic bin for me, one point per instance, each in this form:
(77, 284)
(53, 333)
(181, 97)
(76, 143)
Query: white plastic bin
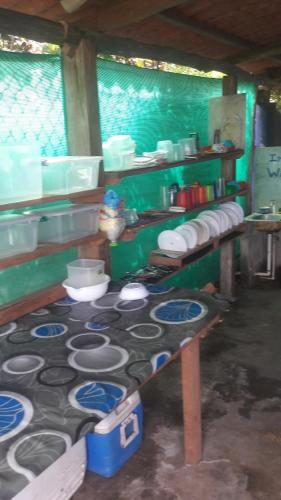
(20, 173)
(70, 174)
(85, 272)
(18, 234)
(66, 223)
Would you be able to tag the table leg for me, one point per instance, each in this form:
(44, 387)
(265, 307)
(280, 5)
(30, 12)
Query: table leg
(190, 373)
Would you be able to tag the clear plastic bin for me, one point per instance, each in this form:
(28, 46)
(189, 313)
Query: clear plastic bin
(85, 272)
(70, 174)
(20, 173)
(66, 223)
(18, 234)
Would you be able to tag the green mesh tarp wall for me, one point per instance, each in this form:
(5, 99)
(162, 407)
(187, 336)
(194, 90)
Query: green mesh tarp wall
(31, 101)
(150, 106)
(32, 108)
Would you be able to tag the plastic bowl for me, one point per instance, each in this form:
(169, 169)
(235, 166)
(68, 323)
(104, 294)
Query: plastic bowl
(87, 293)
(133, 291)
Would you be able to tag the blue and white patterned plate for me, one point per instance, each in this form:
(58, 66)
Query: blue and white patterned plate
(99, 398)
(179, 311)
(49, 330)
(16, 412)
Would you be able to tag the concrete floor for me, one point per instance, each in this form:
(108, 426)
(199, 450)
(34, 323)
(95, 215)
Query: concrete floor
(241, 403)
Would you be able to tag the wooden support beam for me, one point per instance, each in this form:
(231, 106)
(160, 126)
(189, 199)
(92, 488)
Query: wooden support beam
(229, 87)
(131, 48)
(227, 257)
(179, 20)
(36, 28)
(115, 15)
(227, 270)
(81, 93)
(258, 53)
(191, 395)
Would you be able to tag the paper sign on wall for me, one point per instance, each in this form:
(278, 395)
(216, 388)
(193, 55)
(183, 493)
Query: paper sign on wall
(228, 113)
(267, 179)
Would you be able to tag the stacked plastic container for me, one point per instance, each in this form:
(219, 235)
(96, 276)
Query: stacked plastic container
(119, 153)
(23, 178)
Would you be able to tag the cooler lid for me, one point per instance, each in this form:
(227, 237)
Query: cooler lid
(122, 411)
(64, 210)
(9, 219)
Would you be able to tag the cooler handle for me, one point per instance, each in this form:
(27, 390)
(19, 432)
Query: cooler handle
(125, 441)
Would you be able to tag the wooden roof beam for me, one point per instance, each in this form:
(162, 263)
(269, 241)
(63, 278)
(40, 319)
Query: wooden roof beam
(36, 28)
(131, 48)
(179, 20)
(260, 53)
(106, 18)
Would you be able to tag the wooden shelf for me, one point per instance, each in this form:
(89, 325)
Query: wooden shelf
(31, 302)
(194, 255)
(48, 249)
(115, 177)
(130, 233)
(91, 196)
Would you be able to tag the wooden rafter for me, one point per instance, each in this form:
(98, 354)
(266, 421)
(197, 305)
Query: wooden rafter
(36, 28)
(260, 53)
(106, 18)
(130, 48)
(178, 20)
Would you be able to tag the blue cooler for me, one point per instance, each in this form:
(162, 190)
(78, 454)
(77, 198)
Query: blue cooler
(116, 438)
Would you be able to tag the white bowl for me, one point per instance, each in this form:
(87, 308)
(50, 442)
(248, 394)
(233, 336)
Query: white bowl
(133, 291)
(87, 293)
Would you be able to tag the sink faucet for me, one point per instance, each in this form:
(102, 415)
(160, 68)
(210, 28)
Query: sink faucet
(273, 206)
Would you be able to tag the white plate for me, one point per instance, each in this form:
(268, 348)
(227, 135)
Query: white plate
(193, 236)
(239, 211)
(212, 224)
(232, 214)
(202, 230)
(212, 213)
(171, 240)
(224, 220)
(189, 233)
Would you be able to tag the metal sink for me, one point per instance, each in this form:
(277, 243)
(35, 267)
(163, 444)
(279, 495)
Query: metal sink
(263, 218)
(269, 223)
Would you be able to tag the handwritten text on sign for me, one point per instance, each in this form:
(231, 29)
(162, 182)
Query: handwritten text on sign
(267, 179)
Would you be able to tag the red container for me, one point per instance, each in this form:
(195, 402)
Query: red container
(202, 193)
(194, 196)
(182, 199)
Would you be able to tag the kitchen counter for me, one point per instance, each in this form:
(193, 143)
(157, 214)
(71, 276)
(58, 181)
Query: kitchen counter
(70, 360)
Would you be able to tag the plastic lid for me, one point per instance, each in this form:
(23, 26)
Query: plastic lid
(64, 210)
(9, 219)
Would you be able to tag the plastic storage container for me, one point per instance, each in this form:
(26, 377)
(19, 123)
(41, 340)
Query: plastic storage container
(66, 223)
(70, 174)
(119, 153)
(116, 438)
(85, 272)
(20, 173)
(18, 234)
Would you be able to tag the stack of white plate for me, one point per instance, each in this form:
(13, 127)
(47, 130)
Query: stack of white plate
(208, 224)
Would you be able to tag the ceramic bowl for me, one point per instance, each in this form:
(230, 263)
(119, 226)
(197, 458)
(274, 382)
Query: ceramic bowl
(87, 293)
(133, 291)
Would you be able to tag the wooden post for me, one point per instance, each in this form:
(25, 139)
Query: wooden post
(81, 93)
(83, 125)
(191, 395)
(227, 267)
